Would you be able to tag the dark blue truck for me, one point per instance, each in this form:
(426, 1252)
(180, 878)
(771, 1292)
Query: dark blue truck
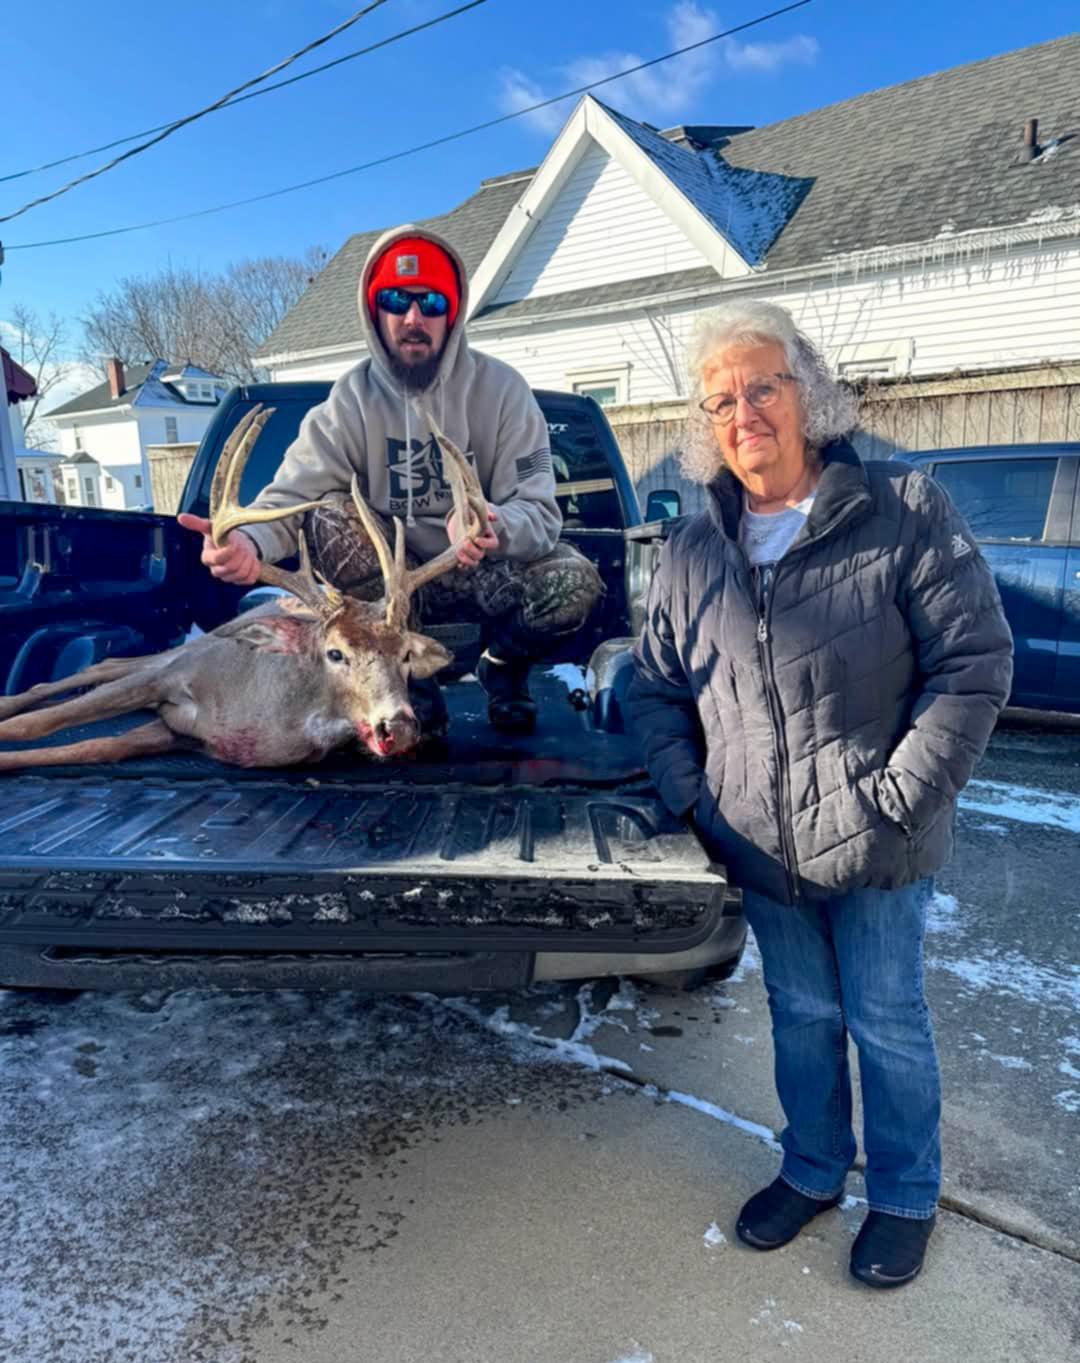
(499, 862)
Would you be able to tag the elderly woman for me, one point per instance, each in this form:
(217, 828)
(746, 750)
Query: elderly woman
(823, 662)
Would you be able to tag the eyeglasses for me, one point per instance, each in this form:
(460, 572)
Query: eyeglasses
(399, 301)
(761, 392)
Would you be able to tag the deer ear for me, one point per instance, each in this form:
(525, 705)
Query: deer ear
(427, 656)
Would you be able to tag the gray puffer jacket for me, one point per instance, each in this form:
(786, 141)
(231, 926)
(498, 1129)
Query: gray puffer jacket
(821, 739)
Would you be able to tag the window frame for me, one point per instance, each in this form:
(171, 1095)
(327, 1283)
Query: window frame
(615, 376)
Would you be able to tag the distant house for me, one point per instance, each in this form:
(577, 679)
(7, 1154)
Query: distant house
(926, 235)
(105, 433)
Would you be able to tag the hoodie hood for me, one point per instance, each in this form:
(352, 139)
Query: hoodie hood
(455, 335)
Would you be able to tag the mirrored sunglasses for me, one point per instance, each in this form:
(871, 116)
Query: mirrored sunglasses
(760, 393)
(399, 301)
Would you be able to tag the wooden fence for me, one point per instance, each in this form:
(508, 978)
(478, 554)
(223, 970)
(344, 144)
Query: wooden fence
(1035, 405)
(169, 465)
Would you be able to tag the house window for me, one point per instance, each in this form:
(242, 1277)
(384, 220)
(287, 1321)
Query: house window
(609, 386)
(1001, 499)
(206, 391)
(138, 480)
(73, 489)
(109, 484)
(78, 437)
(170, 430)
(88, 484)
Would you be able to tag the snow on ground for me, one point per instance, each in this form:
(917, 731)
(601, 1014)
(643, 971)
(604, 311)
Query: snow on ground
(1023, 804)
(1010, 972)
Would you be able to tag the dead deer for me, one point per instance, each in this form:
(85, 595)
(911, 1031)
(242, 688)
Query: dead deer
(281, 684)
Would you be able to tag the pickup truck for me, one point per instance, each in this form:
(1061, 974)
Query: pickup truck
(489, 865)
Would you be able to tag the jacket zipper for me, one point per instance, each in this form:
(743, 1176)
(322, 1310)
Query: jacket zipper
(772, 695)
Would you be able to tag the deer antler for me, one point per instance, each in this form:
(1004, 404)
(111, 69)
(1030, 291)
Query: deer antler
(227, 514)
(471, 508)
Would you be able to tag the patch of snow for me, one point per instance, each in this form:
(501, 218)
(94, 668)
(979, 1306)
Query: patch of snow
(715, 1236)
(573, 677)
(1009, 1062)
(942, 915)
(1022, 804)
(764, 1134)
(1012, 973)
(638, 1356)
(1069, 1101)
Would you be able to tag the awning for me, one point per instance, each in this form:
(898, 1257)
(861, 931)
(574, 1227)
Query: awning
(17, 382)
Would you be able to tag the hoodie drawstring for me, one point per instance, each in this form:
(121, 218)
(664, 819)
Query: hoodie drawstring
(408, 462)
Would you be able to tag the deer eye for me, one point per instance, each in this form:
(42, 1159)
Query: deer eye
(335, 655)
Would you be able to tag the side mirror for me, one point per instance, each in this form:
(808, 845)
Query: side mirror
(661, 504)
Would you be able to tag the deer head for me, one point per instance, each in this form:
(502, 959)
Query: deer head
(278, 685)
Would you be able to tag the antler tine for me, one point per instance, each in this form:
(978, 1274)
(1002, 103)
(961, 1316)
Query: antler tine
(225, 511)
(392, 565)
(227, 514)
(469, 504)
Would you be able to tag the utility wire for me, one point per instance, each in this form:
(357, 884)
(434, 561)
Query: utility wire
(254, 94)
(201, 113)
(412, 151)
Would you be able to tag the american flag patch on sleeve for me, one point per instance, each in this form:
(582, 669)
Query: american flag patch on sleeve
(529, 465)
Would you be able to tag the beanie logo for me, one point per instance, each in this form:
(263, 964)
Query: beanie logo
(407, 267)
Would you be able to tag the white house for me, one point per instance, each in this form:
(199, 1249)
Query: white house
(104, 433)
(926, 230)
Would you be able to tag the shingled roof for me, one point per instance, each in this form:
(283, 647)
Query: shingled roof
(326, 314)
(158, 379)
(933, 156)
(904, 163)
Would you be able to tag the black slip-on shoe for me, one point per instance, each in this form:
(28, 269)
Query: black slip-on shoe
(511, 710)
(889, 1250)
(777, 1214)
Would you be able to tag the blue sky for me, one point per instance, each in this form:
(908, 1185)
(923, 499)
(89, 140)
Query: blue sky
(78, 75)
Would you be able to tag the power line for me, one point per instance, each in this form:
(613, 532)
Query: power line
(411, 151)
(191, 118)
(254, 94)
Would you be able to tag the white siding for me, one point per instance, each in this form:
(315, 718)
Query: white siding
(1019, 307)
(601, 227)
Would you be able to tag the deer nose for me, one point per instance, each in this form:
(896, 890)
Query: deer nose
(397, 734)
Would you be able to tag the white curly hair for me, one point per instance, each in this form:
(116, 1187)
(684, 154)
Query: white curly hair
(829, 408)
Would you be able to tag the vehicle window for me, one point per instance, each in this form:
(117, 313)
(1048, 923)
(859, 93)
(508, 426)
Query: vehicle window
(584, 486)
(276, 437)
(1001, 499)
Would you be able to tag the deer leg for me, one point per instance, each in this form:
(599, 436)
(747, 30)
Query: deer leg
(112, 698)
(155, 737)
(109, 670)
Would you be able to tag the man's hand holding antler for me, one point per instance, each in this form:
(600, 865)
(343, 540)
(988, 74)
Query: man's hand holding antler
(471, 551)
(236, 561)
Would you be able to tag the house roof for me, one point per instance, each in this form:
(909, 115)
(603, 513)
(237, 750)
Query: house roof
(937, 155)
(154, 381)
(900, 164)
(326, 314)
(81, 458)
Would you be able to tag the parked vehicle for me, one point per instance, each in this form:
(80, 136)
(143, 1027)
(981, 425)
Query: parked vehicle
(493, 863)
(1022, 503)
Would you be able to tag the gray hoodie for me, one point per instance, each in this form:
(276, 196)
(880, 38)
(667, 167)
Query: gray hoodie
(369, 426)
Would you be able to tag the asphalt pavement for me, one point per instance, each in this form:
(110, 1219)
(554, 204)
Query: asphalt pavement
(552, 1176)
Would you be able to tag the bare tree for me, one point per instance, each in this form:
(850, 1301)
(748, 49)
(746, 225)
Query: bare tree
(37, 344)
(186, 316)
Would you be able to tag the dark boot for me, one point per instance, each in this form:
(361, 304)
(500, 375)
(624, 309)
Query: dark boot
(429, 706)
(776, 1215)
(511, 709)
(889, 1250)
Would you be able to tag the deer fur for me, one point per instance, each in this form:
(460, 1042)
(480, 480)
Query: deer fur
(283, 684)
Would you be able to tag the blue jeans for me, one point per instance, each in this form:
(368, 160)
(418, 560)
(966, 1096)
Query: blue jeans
(854, 963)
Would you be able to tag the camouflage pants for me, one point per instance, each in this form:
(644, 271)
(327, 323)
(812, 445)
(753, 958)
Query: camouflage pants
(524, 605)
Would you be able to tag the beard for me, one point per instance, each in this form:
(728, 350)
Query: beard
(415, 377)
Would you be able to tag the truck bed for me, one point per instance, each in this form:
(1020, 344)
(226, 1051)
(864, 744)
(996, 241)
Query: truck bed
(554, 842)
